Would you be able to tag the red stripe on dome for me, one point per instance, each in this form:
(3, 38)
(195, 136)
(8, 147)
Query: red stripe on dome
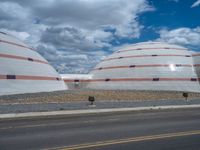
(156, 48)
(135, 56)
(79, 80)
(196, 54)
(196, 65)
(141, 66)
(12, 43)
(22, 58)
(26, 77)
(133, 79)
(3, 77)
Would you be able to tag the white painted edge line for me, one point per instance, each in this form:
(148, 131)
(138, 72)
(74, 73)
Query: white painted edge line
(91, 111)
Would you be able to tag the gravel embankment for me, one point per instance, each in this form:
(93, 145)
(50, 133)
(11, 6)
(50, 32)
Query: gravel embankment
(100, 95)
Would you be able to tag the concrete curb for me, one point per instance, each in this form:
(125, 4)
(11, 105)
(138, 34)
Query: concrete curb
(92, 111)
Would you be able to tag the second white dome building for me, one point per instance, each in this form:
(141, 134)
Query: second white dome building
(148, 66)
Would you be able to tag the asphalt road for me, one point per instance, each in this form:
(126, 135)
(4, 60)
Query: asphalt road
(166, 130)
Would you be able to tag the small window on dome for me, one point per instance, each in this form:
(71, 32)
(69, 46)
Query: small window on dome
(11, 77)
(193, 79)
(132, 66)
(30, 59)
(107, 79)
(178, 65)
(155, 79)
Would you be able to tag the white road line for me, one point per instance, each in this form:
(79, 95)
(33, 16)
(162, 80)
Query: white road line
(92, 111)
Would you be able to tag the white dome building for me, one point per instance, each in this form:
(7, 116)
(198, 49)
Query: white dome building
(148, 66)
(23, 70)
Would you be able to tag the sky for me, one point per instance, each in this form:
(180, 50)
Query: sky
(75, 35)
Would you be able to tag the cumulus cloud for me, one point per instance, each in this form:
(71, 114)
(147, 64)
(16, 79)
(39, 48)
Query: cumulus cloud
(75, 39)
(195, 4)
(76, 50)
(59, 30)
(181, 36)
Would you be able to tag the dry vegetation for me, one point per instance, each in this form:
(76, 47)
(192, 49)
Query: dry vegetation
(82, 95)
